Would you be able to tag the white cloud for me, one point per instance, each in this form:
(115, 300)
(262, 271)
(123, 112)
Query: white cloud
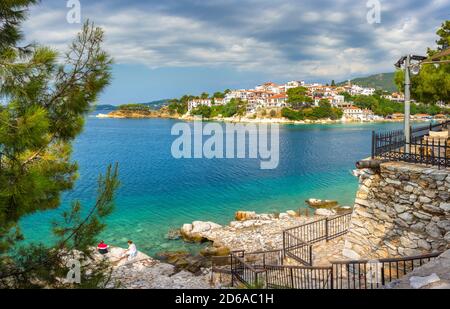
(282, 39)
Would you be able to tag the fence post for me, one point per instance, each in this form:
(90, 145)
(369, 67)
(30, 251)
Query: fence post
(292, 278)
(326, 228)
(332, 277)
(373, 144)
(232, 271)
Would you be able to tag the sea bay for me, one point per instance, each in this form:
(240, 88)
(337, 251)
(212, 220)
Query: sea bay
(159, 193)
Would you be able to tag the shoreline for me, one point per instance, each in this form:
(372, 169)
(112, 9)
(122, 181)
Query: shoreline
(249, 120)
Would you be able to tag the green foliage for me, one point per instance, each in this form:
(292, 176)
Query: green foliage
(298, 98)
(202, 110)
(292, 114)
(12, 13)
(347, 96)
(46, 103)
(323, 111)
(384, 107)
(180, 106)
(134, 107)
(218, 95)
(383, 81)
(273, 113)
(432, 84)
(233, 108)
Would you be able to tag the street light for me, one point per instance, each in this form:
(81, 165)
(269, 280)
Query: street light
(412, 65)
(406, 61)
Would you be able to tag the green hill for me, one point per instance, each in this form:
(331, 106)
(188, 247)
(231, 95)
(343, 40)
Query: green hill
(153, 105)
(383, 81)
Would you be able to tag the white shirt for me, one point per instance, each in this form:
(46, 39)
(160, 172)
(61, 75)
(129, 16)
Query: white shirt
(132, 250)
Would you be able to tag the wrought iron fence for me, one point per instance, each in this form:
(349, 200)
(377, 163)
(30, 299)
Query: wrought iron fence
(371, 274)
(392, 146)
(299, 277)
(298, 241)
(249, 268)
(363, 274)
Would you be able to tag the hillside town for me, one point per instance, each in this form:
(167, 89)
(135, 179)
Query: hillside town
(271, 95)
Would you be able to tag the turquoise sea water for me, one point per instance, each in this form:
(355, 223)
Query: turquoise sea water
(159, 193)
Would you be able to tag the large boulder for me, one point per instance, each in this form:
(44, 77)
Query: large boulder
(198, 231)
(325, 212)
(283, 216)
(245, 215)
(215, 251)
(292, 213)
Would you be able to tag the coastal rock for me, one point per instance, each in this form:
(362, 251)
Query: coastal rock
(182, 260)
(343, 209)
(292, 213)
(152, 274)
(420, 282)
(198, 231)
(215, 251)
(283, 215)
(245, 215)
(325, 212)
(252, 235)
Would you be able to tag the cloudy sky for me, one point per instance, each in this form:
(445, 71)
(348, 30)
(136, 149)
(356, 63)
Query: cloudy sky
(163, 49)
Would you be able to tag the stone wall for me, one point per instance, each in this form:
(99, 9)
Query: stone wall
(401, 210)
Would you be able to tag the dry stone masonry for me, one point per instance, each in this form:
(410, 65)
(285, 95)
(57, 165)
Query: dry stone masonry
(401, 210)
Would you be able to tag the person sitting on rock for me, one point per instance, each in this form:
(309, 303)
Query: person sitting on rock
(131, 252)
(102, 247)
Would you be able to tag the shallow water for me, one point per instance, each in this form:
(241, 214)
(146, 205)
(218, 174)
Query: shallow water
(159, 192)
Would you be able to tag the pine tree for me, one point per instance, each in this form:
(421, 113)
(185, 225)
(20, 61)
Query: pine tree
(46, 104)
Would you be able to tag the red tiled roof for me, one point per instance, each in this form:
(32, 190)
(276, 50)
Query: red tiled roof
(279, 96)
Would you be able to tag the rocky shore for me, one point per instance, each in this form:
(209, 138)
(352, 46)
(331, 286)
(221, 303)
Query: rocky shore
(144, 272)
(250, 231)
(123, 114)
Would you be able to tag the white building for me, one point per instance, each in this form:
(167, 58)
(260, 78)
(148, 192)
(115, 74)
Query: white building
(193, 104)
(358, 90)
(278, 100)
(338, 101)
(356, 113)
(293, 84)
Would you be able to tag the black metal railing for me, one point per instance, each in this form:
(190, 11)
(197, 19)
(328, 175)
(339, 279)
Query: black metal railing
(392, 146)
(265, 269)
(249, 268)
(221, 269)
(299, 277)
(363, 274)
(372, 274)
(298, 241)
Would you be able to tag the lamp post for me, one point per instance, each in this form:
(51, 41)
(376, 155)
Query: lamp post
(407, 103)
(415, 69)
(406, 61)
(409, 68)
